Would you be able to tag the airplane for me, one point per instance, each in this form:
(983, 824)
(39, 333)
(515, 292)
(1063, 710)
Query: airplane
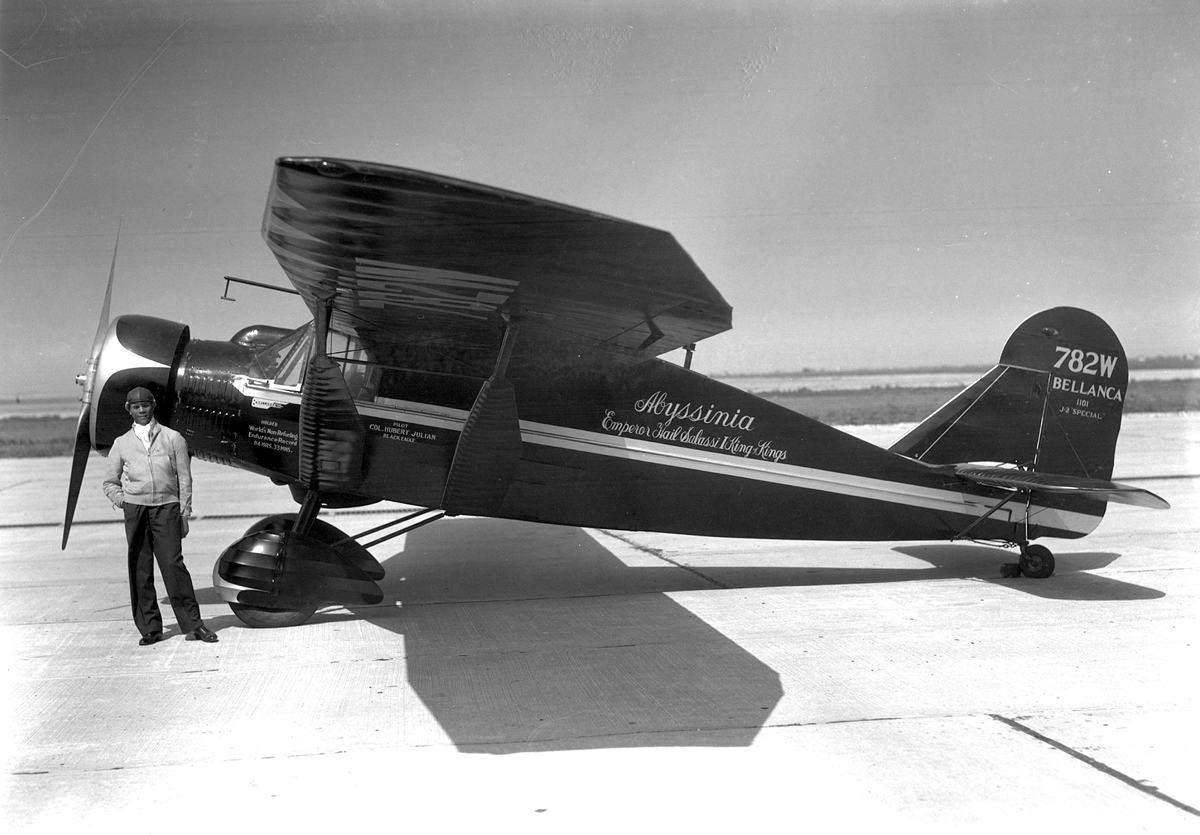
(478, 352)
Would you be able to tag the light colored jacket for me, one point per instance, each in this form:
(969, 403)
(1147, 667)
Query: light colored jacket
(160, 475)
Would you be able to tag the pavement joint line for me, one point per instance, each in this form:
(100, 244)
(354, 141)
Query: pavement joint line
(403, 508)
(1140, 785)
(200, 517)
(534, 745)
(295, 755)
(341, 613)
(657, 554)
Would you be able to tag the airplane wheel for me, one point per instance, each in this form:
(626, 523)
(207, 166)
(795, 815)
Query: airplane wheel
(260, 618)
(271, 618)
(1036, 562)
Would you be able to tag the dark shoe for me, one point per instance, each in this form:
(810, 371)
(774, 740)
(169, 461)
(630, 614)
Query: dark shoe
(151, 638)
(203, 633)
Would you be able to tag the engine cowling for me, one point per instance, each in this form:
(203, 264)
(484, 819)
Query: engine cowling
(137, 351)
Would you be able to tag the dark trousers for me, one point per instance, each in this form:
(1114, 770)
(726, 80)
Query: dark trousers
(157, 531)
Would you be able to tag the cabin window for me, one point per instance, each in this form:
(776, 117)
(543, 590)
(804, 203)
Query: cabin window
(361, 376)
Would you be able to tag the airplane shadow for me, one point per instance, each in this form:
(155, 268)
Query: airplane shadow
(522, 637)
(1070, 580)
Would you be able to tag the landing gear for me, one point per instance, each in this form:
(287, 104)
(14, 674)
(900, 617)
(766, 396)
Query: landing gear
(277, 576)
(262, 618)
(282, 570)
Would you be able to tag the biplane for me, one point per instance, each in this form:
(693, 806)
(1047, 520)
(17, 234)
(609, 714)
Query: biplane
(474, 351)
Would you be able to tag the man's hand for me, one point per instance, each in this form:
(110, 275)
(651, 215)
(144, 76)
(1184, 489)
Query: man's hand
(184, 521)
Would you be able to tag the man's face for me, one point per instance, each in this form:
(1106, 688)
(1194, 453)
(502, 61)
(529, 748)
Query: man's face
(141, 411)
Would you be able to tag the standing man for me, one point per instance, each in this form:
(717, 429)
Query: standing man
(149, 475)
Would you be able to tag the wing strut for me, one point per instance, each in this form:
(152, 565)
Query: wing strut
(406, 524)
(489, 447)
(331, 429)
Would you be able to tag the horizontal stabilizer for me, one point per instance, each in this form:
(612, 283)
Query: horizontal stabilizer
(1091, 488)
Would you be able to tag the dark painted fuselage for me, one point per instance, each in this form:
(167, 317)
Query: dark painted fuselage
(647, 446)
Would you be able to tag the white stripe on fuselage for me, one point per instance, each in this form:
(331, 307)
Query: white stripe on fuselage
(804, 478)
(666, 455)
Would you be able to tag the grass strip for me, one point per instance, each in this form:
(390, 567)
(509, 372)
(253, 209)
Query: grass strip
(41, 437)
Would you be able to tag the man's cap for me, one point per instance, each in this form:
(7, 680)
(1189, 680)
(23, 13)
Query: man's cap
(139, 395)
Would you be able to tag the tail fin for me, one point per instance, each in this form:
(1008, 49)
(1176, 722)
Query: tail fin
(1052, 405)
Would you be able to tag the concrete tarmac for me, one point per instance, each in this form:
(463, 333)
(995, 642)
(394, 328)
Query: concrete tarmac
(569, 680)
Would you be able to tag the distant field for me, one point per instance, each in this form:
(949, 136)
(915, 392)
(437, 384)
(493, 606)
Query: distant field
(908, 405)
(40, 437)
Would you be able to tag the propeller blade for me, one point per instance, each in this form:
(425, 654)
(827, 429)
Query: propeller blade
(103, 327)
(83, 448)
(83, 440)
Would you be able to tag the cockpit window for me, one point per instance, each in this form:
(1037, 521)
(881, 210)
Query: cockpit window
(284, 361)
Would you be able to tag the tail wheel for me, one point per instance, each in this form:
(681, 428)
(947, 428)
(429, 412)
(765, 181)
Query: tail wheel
(260, 618)
(1036, 562)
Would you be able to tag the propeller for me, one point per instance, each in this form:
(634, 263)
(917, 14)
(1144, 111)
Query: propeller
(83, 430)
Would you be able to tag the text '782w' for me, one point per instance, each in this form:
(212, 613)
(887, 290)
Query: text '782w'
(1089, 362)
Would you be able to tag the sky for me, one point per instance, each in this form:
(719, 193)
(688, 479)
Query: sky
(894, 183)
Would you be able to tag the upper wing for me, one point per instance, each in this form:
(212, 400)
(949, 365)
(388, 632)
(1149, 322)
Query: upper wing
(1091, 488)
(405, 251)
